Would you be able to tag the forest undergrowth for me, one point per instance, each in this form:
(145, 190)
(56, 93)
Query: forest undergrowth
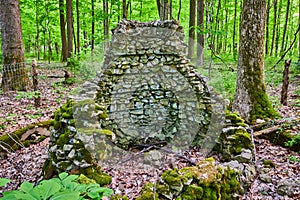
(18, 111)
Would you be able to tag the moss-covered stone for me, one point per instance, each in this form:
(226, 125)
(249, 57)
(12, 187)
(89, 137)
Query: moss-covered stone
(205, 181)
(95, 173)
(148, 192)
(269, 164)
(82, 179)
(118, 197)
(9, 141)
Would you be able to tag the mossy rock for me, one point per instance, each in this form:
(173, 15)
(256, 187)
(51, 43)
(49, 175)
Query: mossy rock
(269, 164)
(223, 184)
(94, 172)
(9, 141)
(118, 197)
(148, 192)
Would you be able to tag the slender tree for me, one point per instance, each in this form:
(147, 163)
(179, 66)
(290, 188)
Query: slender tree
(274, 27)
(192, 29)
(14, 71)
(78, 27)
(179, 10)
(63, 30)
(200, 30)
(69, 27)
(93, 26)
(251, 100)
(285, 25)
(105, 23)
(124, 10)
(234, 45)
(267, 28)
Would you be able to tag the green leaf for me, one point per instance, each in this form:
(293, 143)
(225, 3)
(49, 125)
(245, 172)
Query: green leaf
(68, 194)
(48, 188)
(26, 187)
(67, 180)
(94, 195)
(4, 181)
(63, 175)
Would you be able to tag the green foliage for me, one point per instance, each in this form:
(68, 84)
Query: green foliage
(61, 188)
(294, 159)
(28, 95)
(295, 141)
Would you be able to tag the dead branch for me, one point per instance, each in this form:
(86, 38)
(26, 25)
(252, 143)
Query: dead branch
(292, 44)
(266, 131)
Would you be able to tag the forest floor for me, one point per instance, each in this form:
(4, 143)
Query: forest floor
(17, 111)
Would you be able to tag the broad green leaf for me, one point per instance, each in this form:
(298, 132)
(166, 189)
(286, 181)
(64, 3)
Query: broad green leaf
(4, 181)
(67, 180)
(26, 187)
(24, 196)
(94, 195)
(66, 195)
(63, 175)
(103, 191)
(48, 188)
(81, 188)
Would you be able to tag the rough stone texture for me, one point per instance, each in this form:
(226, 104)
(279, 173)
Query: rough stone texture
(151, 91)
(147, 94)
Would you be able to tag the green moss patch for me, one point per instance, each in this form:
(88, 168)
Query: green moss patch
(205, 181)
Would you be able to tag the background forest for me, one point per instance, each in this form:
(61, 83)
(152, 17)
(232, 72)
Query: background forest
(68, 38)
(42, 37)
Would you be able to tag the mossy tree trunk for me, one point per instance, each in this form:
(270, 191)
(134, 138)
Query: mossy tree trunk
(251, 100)
(14, 71)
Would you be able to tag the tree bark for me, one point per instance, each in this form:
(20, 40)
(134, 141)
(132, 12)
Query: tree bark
(78, 28)
(63, 30)
(285, 83)
(179, 10)
(251, 100)
(93, 27)
(69, 27)
(274, 27)
(285, 25)
(278, 28)
(234, 45)
(267, 28)
(191, 29)
(124, 10)
(200, 36)
(105, 23)
(14, 72)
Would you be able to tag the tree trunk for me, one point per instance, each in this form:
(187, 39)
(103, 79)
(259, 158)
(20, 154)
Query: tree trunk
(299, 34)
(251, 100)
(285, 83)
(124, 10)
(191, 29)
(200, 36)
(285, 25)
(105, 24)
(93, 27)
(216, 37)
(267, 28)
(278, 28)
(14, 74)
(274, 27)
(69, 27)
(179, 10)
(78, 27)
(234, 45)
(63, 30)
(37, 37)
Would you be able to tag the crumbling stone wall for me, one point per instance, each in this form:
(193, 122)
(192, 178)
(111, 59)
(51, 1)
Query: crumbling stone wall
(147, 94)
(151, 91)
